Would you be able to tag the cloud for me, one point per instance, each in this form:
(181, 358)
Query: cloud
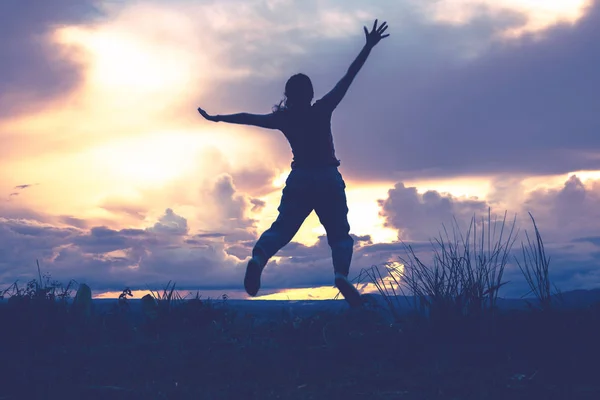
(511, 109)
(573, 266)
(455, 98)
(535, 16)
(226, 210)
(35, 68)
(73, 221)
(568, 211)
(429, 75)
(210, 235)
(420, 216)
(256, 181)
(111, 259)
(103, 240)
(19, 188)
(170, 223)
(137, 211)
(567, 217)
(23, 186)
(257, 205)
(22, 241)
(242, 250)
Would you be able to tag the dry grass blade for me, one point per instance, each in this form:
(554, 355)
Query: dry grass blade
(535, 269)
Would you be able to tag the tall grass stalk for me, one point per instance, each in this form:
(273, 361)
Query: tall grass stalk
(535, 269)
(464, 276)
(169, 297)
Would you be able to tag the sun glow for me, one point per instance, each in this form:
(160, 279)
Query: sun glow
(127, 64)
(153, 159)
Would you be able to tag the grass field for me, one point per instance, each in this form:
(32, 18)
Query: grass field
(456, 343)
(209, 351)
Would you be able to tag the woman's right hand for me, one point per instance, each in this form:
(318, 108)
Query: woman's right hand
(376, 34)
(206, 115)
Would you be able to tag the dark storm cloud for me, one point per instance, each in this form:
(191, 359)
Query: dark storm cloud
(440, 100)
(523, 106)
(33, 69)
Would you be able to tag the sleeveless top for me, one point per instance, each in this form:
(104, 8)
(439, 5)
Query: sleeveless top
(309, 134)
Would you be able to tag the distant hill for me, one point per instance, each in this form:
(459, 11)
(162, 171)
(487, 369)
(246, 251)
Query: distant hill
(569, 300)
(580, 298)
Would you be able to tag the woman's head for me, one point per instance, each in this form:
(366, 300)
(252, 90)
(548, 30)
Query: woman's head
(298, 92)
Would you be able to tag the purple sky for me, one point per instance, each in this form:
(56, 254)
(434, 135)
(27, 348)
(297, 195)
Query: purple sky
(437, 101)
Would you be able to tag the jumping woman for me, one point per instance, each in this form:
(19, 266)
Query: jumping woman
(314, 182)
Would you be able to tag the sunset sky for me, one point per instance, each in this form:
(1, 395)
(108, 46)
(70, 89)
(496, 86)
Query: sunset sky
(109, 176)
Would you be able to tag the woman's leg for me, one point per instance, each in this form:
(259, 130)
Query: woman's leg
(295, 206)
(332, 209)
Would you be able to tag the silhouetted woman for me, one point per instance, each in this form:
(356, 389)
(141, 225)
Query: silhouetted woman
(314, 182)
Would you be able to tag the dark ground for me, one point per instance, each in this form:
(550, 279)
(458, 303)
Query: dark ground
(201, 351)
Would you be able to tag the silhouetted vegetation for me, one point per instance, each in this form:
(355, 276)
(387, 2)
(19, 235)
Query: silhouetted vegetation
(535, 268)
(452, 341)
(462, 279)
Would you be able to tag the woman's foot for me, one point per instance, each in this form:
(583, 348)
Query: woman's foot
(348, 290)
(252, 278)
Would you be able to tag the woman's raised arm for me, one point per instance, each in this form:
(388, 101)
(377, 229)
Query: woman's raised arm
(335, 96)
